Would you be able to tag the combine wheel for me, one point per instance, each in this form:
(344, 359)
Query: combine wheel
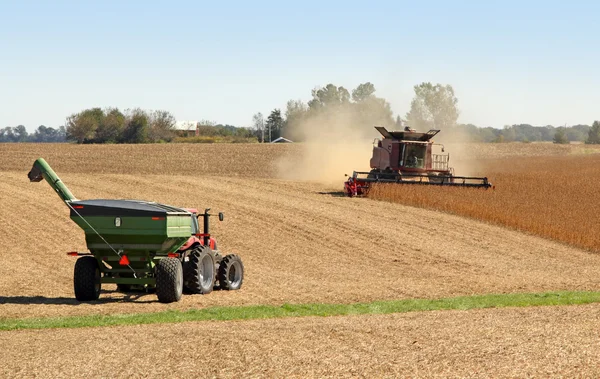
(200, 271)
(169, 280)
(231, 272)
(86, 279)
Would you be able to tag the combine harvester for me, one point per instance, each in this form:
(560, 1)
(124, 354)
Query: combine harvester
(407, 157)
(141, 245)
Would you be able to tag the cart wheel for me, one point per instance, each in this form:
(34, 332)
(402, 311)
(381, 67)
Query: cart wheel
(200, 271)
(86, 279)
(231, 272)
(169, 280)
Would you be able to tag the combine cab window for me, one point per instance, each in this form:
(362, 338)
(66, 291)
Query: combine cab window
(414, 156)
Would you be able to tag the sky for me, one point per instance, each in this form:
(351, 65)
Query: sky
(509, 62)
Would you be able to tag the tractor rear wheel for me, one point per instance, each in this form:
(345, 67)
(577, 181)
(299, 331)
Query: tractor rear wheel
(169, 280)
(199, 273)
(231, 273)
(86, 279)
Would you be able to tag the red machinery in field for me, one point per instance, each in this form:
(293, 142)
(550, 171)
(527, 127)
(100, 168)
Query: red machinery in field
(406, 157)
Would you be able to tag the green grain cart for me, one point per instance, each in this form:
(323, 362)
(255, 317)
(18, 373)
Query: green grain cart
(142, 245)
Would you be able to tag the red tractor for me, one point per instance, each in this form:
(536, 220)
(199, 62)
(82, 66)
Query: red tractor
(406, 157)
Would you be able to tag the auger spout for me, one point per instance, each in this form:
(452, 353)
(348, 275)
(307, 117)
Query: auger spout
(42, 170)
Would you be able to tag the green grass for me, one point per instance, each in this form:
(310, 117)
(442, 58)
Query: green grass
(303, 310)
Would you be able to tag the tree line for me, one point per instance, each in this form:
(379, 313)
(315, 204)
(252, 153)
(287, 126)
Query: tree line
(41, 134)
(96, 125)
(434, 106)
(331, 111)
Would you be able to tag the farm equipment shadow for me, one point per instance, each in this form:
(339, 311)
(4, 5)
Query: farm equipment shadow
(333, 193)
(43, 300)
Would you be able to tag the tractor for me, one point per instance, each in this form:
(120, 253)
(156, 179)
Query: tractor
(141, 245)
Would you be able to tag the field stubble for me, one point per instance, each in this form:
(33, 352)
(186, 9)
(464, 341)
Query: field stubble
(301, 242)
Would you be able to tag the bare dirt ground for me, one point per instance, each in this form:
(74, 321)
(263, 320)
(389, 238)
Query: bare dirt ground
(300, 241)
(509, 342)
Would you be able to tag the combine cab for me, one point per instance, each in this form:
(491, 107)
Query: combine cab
(407, 157)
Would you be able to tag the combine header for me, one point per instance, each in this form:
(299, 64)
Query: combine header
(143, 245)
(407, 157)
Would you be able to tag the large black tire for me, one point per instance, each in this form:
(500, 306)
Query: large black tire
(199, 273)
(86, 279)
(231, 273)
(169, 280)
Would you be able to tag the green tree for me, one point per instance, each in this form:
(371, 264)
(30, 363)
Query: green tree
(112, 127)
(274, 124)
(560, 136)
(82, 126)
(328, 96)
(433, 107)
(136, 130)
(594, 134)
(363, 92)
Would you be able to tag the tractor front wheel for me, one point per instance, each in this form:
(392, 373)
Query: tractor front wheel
(86, 279)
(169, 280)
(231, 272)
(200, 271)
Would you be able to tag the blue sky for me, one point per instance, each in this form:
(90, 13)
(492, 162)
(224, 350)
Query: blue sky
(509, 61)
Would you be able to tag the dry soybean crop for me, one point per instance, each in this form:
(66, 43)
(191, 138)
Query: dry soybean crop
(555, 197)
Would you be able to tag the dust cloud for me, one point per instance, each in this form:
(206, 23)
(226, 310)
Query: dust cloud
(334, 144)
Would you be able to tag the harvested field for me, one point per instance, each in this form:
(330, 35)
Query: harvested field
(510, 342)
(555, 197)
(300, 241)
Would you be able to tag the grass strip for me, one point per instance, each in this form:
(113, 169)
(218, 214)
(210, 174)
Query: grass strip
(302, 310)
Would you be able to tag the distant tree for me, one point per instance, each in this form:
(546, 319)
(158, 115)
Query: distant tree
(560, 136)
(274, 124)
(82, 126)
(328, 96)
(363, 92)
(136, 130)
(162, 126)
(433, 107)
(398, 123)
(7, 135)
(594, 133)
(509, 133)
(258, 124)
(111, 128)
(20, 133)
(46, 134)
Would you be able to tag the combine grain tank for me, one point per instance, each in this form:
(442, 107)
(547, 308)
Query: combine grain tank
(142, 245)
(407, 157)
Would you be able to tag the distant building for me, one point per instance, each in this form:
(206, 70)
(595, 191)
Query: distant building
(282, 140)
(187, 128)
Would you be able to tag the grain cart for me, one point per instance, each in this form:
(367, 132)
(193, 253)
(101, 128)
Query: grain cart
(406, 157)
(143, 245)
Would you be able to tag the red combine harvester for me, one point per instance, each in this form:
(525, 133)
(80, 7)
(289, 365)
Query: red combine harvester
(407, 157)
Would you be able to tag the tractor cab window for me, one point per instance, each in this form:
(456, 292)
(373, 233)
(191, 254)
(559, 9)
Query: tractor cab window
(195, 227)
(414, 156)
